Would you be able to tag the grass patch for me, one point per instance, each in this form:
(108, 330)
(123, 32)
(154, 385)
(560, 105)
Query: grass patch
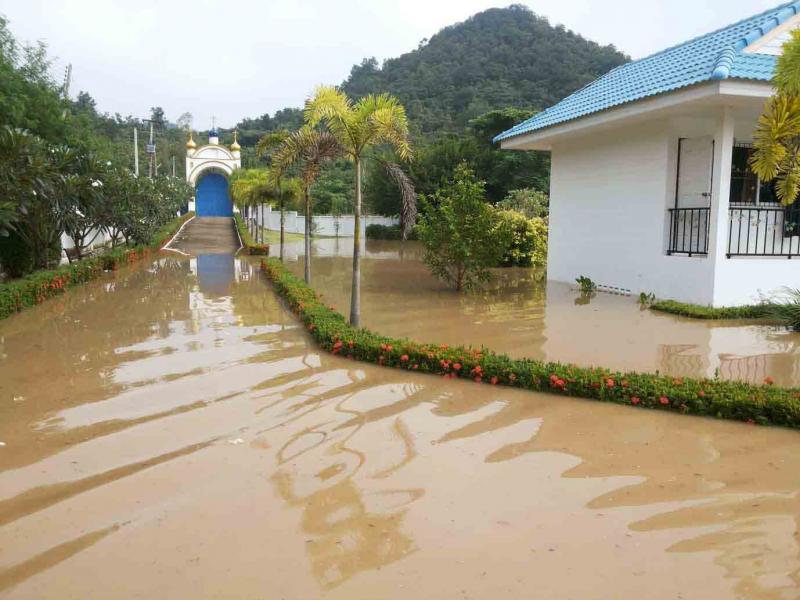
(274, 237)
(695, 311)
(764, 404)
(37, 287)
(250, 245)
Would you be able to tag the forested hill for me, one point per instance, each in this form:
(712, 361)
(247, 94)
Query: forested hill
(497, 58)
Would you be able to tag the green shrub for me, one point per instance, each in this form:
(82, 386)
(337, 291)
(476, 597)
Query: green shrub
(16, 257)
(460, 233)
(786, 310)
(586, 285)
(763, 404)
(531, 203)
(527, 240)
(250, 246)
(387, 232)
(696, 311)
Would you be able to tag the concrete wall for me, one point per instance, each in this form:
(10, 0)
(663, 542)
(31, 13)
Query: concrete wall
(326, 225)
(609, 200)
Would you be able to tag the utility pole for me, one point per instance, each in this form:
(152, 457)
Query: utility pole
(67, 81)
(136, 151)
(151, 149)
(173, 165)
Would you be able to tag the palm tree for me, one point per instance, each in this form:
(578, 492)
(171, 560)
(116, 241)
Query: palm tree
(777, 137)
(265, 148)
(372, 120)
(307, 148)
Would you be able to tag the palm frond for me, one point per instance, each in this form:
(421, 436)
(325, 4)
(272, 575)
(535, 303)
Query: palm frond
(408, 214)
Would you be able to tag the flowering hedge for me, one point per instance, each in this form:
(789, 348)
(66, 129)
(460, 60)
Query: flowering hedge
(41, 285)
(250, 245)
(763, 404)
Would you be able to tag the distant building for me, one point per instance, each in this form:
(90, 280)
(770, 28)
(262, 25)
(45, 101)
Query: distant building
(208, 169)
(650, 186)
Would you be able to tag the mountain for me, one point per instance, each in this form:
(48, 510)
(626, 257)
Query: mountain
(501, 57)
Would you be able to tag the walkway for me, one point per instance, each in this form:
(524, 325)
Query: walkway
(207, 235)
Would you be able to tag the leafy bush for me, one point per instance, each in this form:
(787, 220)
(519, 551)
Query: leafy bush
(388, 232)
(531, 203)
(786, 310)
(460, 233)
(250, 246)
(695, 311)
(763, 404)
(16, 258)
(527, 240)
(37, 287)
(586, 285)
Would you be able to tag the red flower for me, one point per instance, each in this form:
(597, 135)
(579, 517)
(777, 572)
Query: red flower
(493, 380)
(404, 358)
(609, 382)
(635, 400)
(457, 367)
(337, 345)
(664, 400)
(701, 394)
(415, 367)
(769, 380)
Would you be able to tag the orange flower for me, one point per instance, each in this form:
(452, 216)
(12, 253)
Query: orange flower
(663, 400)
(769, 380)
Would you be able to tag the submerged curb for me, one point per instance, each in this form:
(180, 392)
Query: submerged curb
(37, 287)
(249, 246)
(765, 404)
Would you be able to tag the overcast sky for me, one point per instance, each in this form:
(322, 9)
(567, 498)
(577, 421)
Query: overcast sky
(235, 59)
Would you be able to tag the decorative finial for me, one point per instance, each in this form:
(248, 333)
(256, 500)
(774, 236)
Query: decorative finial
(191, 145)
(235, 145)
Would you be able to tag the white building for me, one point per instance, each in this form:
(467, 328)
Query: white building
(207, 170)
(650, 186)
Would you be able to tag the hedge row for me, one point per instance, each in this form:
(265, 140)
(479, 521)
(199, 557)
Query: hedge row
(695, 311)
(250, 246)
(763, 404)
(39, 286)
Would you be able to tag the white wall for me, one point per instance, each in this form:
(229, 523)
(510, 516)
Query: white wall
(326, 225)
(609, 195)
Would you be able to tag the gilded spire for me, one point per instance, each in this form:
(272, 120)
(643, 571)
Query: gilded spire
(235, 145)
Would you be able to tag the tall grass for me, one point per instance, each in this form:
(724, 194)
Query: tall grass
(785, 308)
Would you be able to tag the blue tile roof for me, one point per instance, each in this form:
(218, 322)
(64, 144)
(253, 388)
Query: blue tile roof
(714, 56)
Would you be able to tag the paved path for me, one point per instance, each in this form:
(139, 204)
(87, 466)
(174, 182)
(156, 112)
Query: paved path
(207, 235)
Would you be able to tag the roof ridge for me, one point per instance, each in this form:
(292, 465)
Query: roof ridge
(724, 63)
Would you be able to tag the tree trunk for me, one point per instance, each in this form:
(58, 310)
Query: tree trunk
(355, 294)
(283, 220)
(308, 236)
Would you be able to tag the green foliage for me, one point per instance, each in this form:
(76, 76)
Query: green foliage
(460, 233)
(531, 203)
(497, 58)
(249, 245)
(785, 309)
(16, 258)
(777, 137)
(527, 240)
(696, 311)
(37, 287)
(763, 404)
(586, 285)
(388, 232)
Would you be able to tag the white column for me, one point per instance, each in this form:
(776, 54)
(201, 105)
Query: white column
(721, 188)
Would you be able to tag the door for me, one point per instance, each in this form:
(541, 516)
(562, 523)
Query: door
(689, 219)
(696, 159)
(213, 199)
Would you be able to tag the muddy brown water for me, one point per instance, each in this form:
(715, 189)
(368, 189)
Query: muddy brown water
(524, 316)
(170, 432)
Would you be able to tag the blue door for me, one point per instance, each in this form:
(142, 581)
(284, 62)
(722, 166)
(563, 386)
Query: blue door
(212, 196)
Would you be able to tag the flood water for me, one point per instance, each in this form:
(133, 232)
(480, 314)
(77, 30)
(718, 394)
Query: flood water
(170, 432)
(524, 316)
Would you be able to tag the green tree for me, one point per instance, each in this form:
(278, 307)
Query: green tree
(531, 203)
(460, 232)
(373, 120)
(777, 137)
(307, 148)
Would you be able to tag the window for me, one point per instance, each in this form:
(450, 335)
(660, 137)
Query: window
(746, 188)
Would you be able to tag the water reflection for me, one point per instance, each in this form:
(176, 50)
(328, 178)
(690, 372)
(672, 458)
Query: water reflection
(179, 417)
(522, 314)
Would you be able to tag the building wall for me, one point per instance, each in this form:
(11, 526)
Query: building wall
(609, 195)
